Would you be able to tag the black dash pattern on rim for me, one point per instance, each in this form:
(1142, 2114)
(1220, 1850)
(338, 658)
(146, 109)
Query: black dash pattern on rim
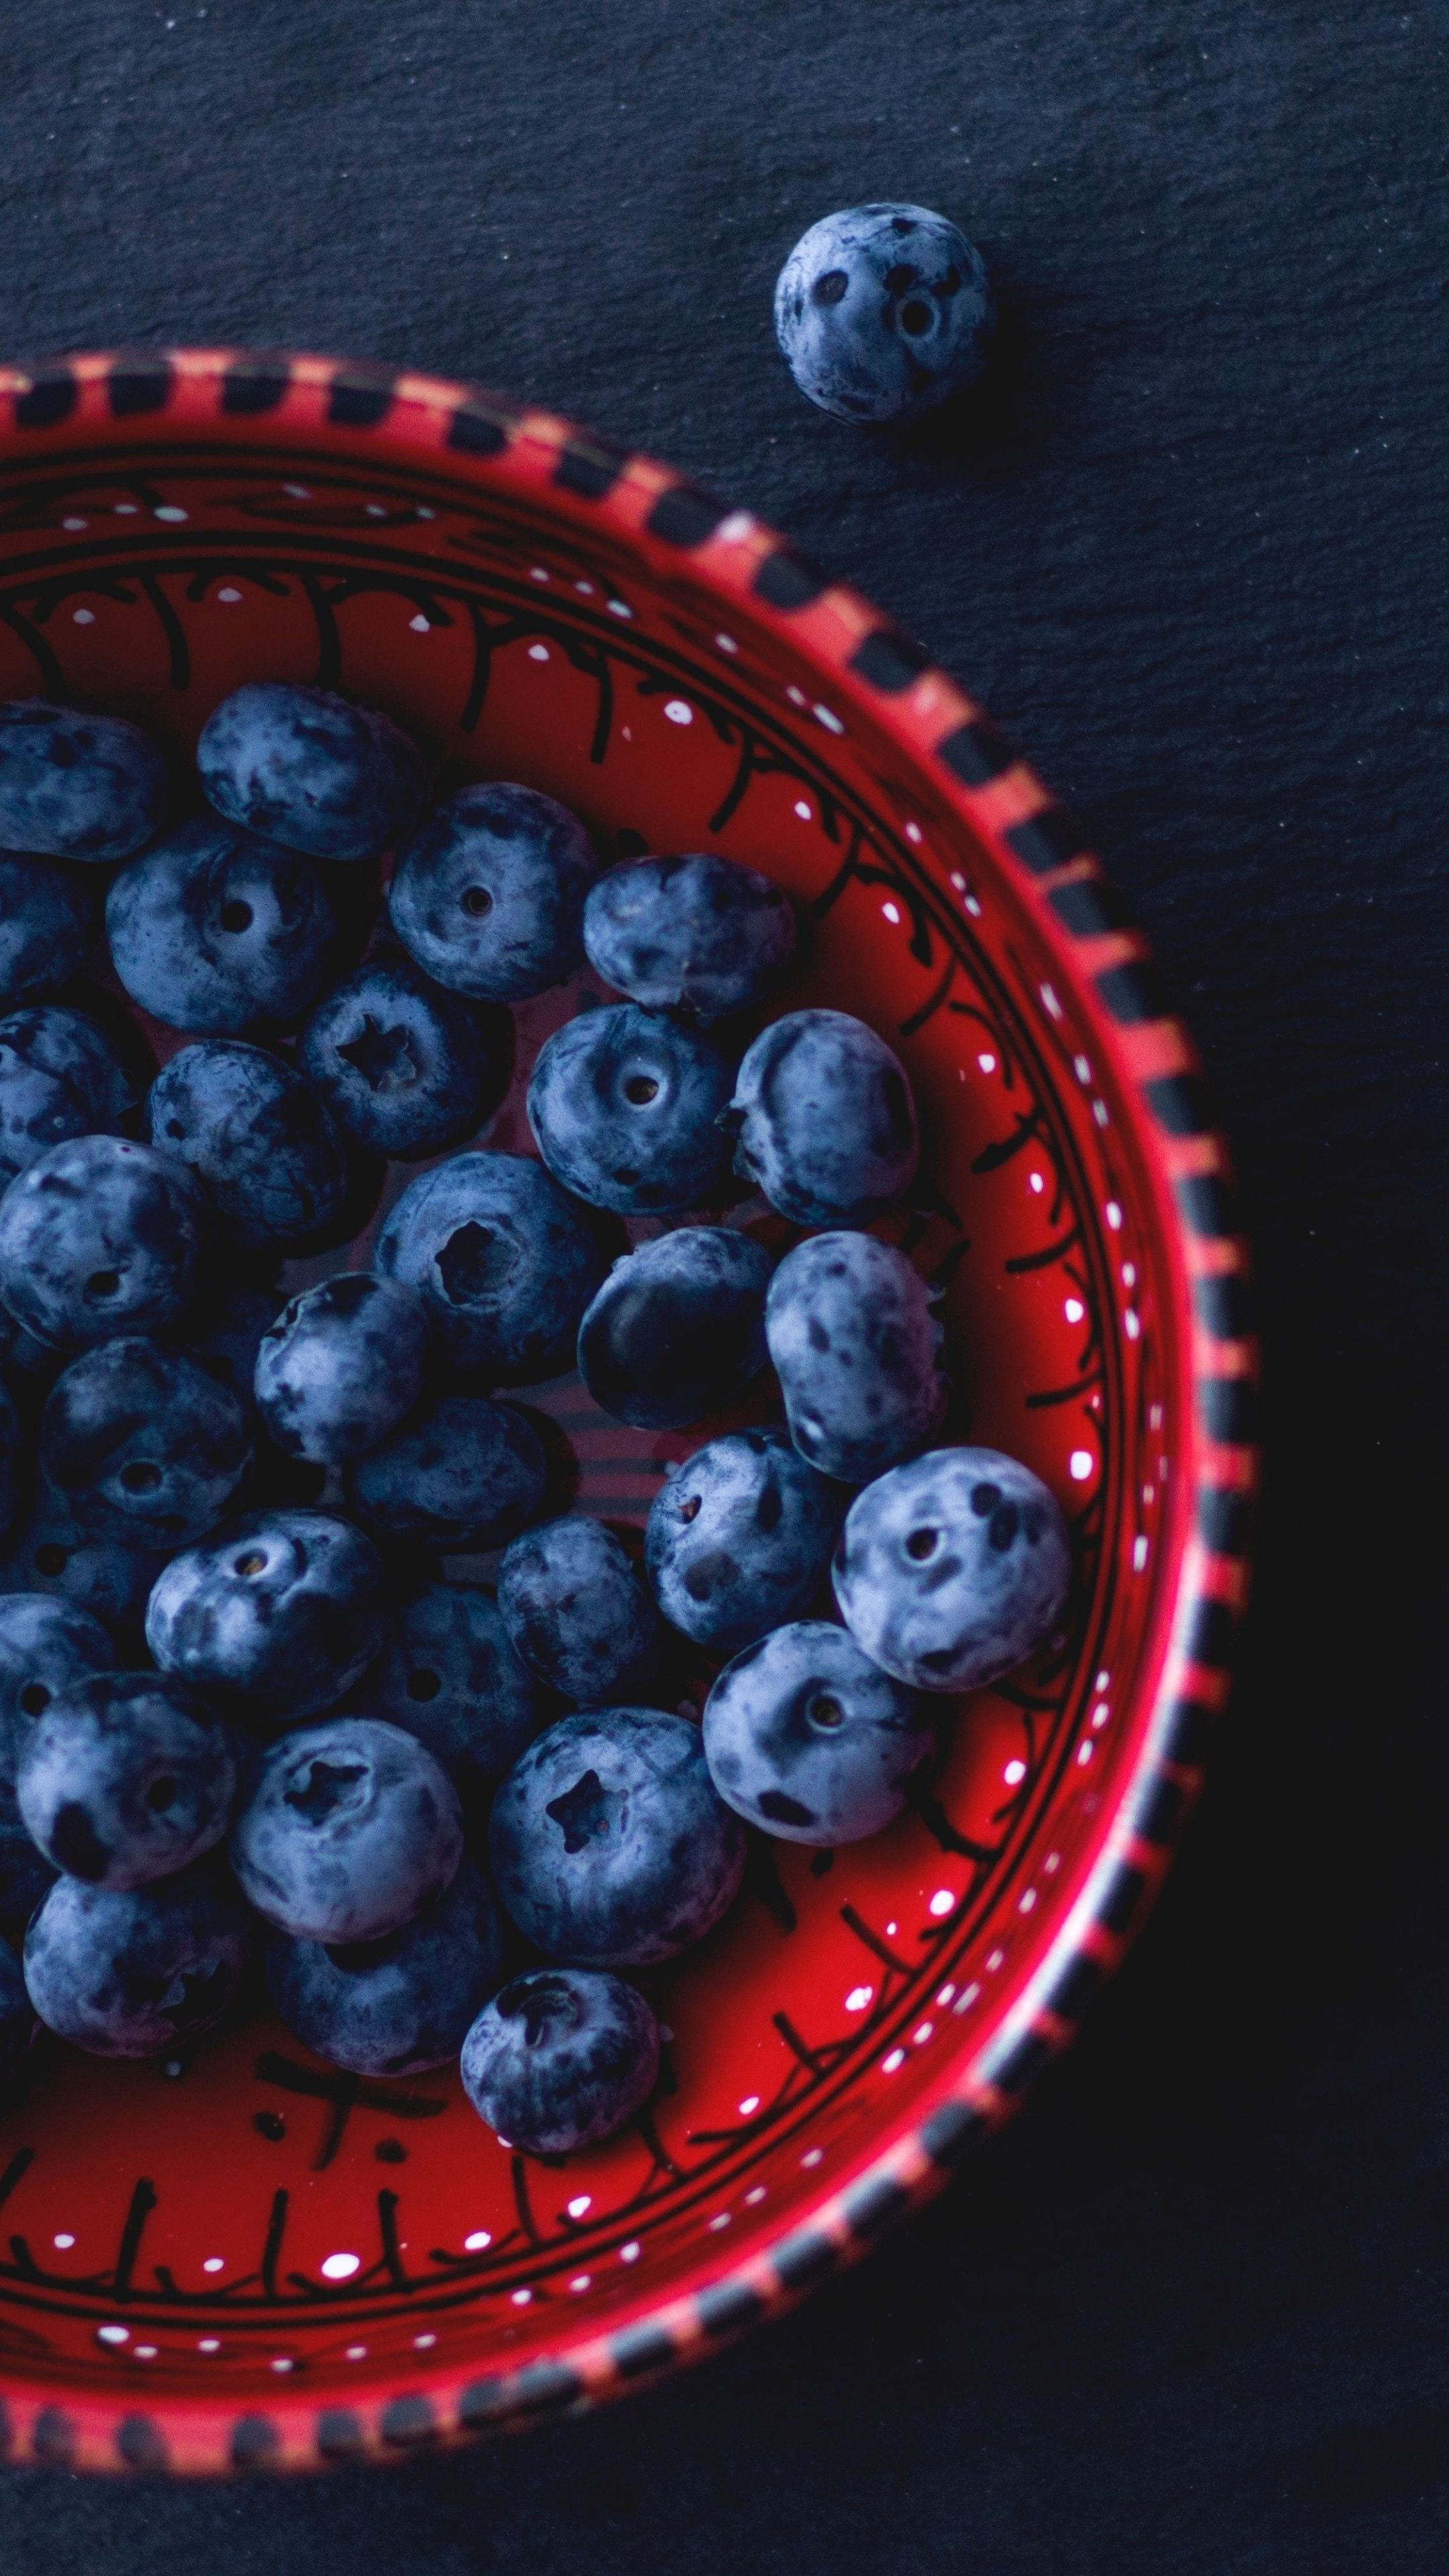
(1134, 992)
(50, 397)
(1048, 839)
(806, 2258)
(789, 578)
(1179, 1102)
(1224, 1519)
(1073, 1992)
(589, 466)
(360, 397)
(479, 428)
(1229, 1409)
(1224, 1305)
(1088, 906)
(53, 2438)
(1022, 2064)
(950, 2133)
(1189, 1734)
(875, 2206)
(1162, 1815)
(139, 381)
(1122, 1899)
(1213, 1629)
(408, 2421)
(138, 2440)
(1207, 1204)
(889, 660)
(254, 384)
(339, 2434)
(641, 2348)
(728, 2307)
(255, 2442)
(976, 752)
(685, 516)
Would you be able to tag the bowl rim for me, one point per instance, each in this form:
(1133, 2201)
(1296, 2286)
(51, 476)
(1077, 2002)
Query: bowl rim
(872, 665)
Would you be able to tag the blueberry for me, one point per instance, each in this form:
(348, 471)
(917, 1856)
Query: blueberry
(45, 1647)
(698, 934)
(47, 924)
(489, 895)
(808, 1739)
(609, 1842)
(953, 1568)
(401, 2004)
(213, 929)
(310, 770)
(17, 2029)
(51, 1554)
(883, 311)
(405, 1067)
(505, 1258)
(825, 1121)
(248, 1126)
(76, 786)
(463, 1473)
(137, 1971)
(577, 1612)
(349, 1829)
(143, 1444)
(855, 1342)
(276, 1618)
(342, 1366)
(124, 1778)
(99, 1236)
(27, 1367)
(740, 1538)
(12, 1458)
(678, 1328)
(60, 1076)
(624, 1105)
(451, 1675)
(562, 2058)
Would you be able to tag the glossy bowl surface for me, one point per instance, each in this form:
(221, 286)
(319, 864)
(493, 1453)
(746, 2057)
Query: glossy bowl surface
(265, 2262)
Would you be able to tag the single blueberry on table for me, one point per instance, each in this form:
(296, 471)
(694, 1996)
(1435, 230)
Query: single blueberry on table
(610, 1845)
(951, 1570)
(506, 1260)
(17, 2028)
(60, 1076)
(45, 1647)
(701, 935)
(463, 1473)
(560, 2059)
(248, 1126)
(51, 1554)
(274, 1619)
(489, 895)
(624, 1105)
(677, 1330)
(310, 770)
(138, 1971)
(740, 1538)
(853, 1335)
(76, 786)
(883, 311)
(403, 1066)
(143, 1444)
(451, 1675)
(47, 924)
(808, 1739)
(401, 2004)
(126, 1778)
(347, 1830)
(99, 1236)
(578, 1613)
(342, 1366)
(214, 929)
(824, 1119)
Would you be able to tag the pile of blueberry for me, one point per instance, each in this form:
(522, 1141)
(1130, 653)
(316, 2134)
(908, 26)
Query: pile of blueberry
(246, 1724)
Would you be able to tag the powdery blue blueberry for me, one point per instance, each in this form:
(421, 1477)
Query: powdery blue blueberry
(883, 311)
(577, 1611)
(45, 1647)
(403, 1066)
(143, 1444)
(561, 2058)
(76, 786)
(951, 1570)
(451, 1675)
(489, 895)
(310, 770)
(61, 1076)
(214, 929)
(506, 1260)
(740, 1538)
(677, 1330)
(347, 1830)
(824, 1119)
(808, 1739)
(17, 2028)
(99, 1236)
(275, 1619)
(624, 1105)
(267, 1149)
(699, 934)
(853, 1335)
(609, 1843)
(51, 1554)
(401, 2004)
(125, 1778)
(138, 1971)
(463, 1473)
(47, 924)
(342, 1366)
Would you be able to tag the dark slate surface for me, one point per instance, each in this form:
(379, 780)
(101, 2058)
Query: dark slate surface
(1187, 2318)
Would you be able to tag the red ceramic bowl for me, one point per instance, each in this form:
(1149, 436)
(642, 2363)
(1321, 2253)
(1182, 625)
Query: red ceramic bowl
(266, 2262)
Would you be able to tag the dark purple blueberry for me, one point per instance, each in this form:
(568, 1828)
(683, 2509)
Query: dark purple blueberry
(700, 934)
(76, 786)
(451, 1675)
(310, 770)
(625, 1105)
(402, 2004)
(578, 1613)
(257, 1136)
(124, 1777)
(677, 1330)
(214, 929)
(45, 1646)
(347, 1830)
(48, 918)
(562, 2058)
(740, 1538)
(489, 895)
(824, 1119)
(275, 1619)
(953, 1569)
(60, 1076)
(50, 1554)
(143, 1444)
(342, 1366)
(138, 1971)
(405, 1067)
(463, 1473)
(506, 1259)
(99, 1236)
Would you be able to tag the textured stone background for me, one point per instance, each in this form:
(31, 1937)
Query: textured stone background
(1187, 2317)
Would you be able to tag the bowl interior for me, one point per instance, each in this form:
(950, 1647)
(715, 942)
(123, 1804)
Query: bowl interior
(261, 2233)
